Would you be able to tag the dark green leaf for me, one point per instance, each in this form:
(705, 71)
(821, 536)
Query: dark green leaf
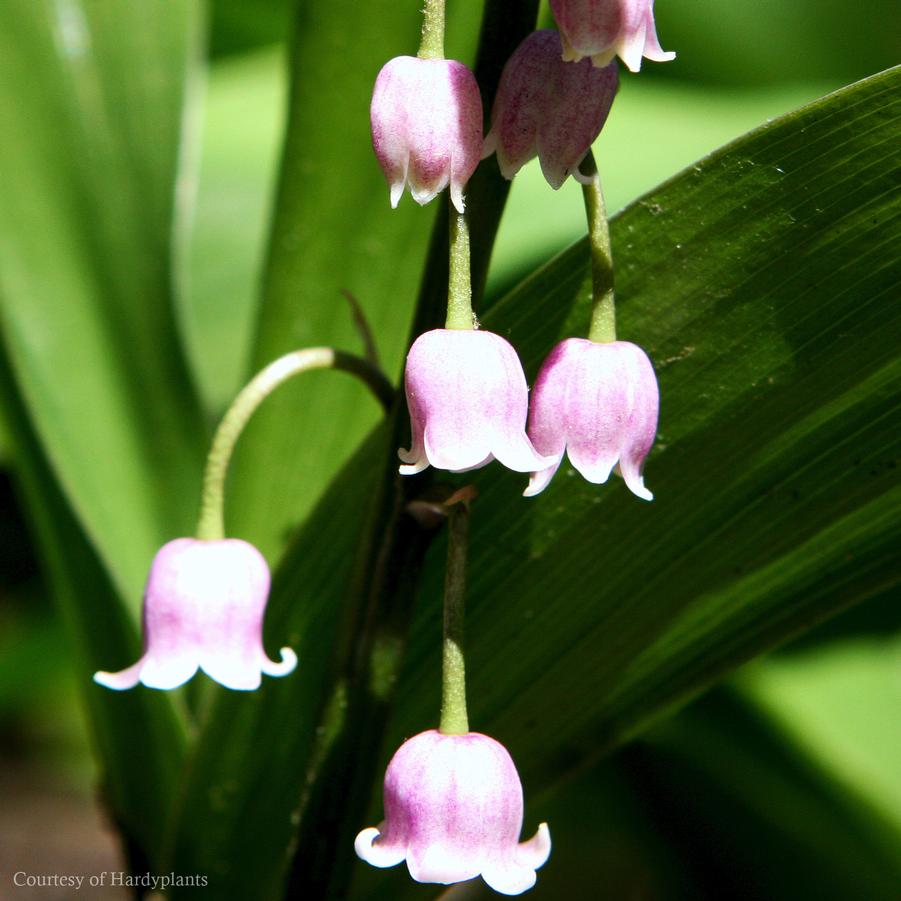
(90, 97)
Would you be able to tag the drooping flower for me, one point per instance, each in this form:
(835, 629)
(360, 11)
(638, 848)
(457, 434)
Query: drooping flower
(599, 404)
(548, 108)
(454, 811)
(203, 608)
(604, 29)
(426, 118)
(468, 402)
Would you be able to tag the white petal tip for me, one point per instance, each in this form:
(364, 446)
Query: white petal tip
(369, 850)
(397, 190)
(286, 665)
(457, 199)
(537, 849)
(636, 486)
(115, 681)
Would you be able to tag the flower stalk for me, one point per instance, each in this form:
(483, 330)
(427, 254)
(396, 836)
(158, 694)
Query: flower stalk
(603, 311)
(211, 520)
(459, 286)
(454, 718)
(431, 45)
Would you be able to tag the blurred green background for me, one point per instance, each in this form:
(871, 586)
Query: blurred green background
(799, 758)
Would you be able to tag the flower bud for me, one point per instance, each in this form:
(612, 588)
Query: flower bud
(548, 108)
(453, 811)
(426, 118)
(604, 29)
(598, 403)
(203, 608)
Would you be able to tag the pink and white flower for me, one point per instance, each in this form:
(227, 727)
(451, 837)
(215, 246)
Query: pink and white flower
(468, 402)
(598, 403)
(426, 118)
(454, 811)
(605, 29)
(548, 108)
(203, 608)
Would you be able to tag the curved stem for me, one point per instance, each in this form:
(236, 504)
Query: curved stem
(210, 523)
(603, 312)
(454, 720)
(459, 284)
(431, 45)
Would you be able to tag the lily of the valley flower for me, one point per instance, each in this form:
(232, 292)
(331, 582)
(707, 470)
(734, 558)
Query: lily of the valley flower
(468, 402)
(548, 108)
(604, 29)
(426, 118)
(599, 404)
(203, 608)
(454, 811)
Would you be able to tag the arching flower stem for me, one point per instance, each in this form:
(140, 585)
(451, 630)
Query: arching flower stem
(210, 523)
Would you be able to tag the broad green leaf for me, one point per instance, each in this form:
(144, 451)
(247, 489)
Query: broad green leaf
(333, 230)
(342, 598)
(718, 801)
(755, 815)
(592, 613)
(91, 100)
(655, 128)
(840, 702)
(761, 282)
(137, 739)
(242, 122)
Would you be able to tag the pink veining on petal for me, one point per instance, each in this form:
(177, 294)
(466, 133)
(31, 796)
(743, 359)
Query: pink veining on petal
(602, 29)
(601, 402)
(426, 118)
(548, 108)
(468, 398)
(453, 804)
(203, 608)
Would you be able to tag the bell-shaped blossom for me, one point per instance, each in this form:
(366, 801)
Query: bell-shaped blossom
(599, 404)
(604, 29)
(203, 608)
(468, 402)
(453, 811)
(426, 118)
(548, 108)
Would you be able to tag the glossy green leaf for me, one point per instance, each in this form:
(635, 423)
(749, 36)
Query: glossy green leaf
(592, 613)
(332, 230)
(753, 815)
(137, 739)
(91, 101)
(840, 703)
(716, 802)
(761, 282)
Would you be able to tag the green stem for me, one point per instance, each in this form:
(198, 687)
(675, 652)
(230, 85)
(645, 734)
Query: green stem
(211, 522)
(454, 720)
(603, 311)
(459, 285)
(431, 46)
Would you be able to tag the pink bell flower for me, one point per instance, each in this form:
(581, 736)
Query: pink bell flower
(468, 402)
(599, 404)
(453, 811)
(604, 29)
(426, 118)
(548, 108)
(203, 608)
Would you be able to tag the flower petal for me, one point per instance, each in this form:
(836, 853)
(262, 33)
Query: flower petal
(375, 852)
